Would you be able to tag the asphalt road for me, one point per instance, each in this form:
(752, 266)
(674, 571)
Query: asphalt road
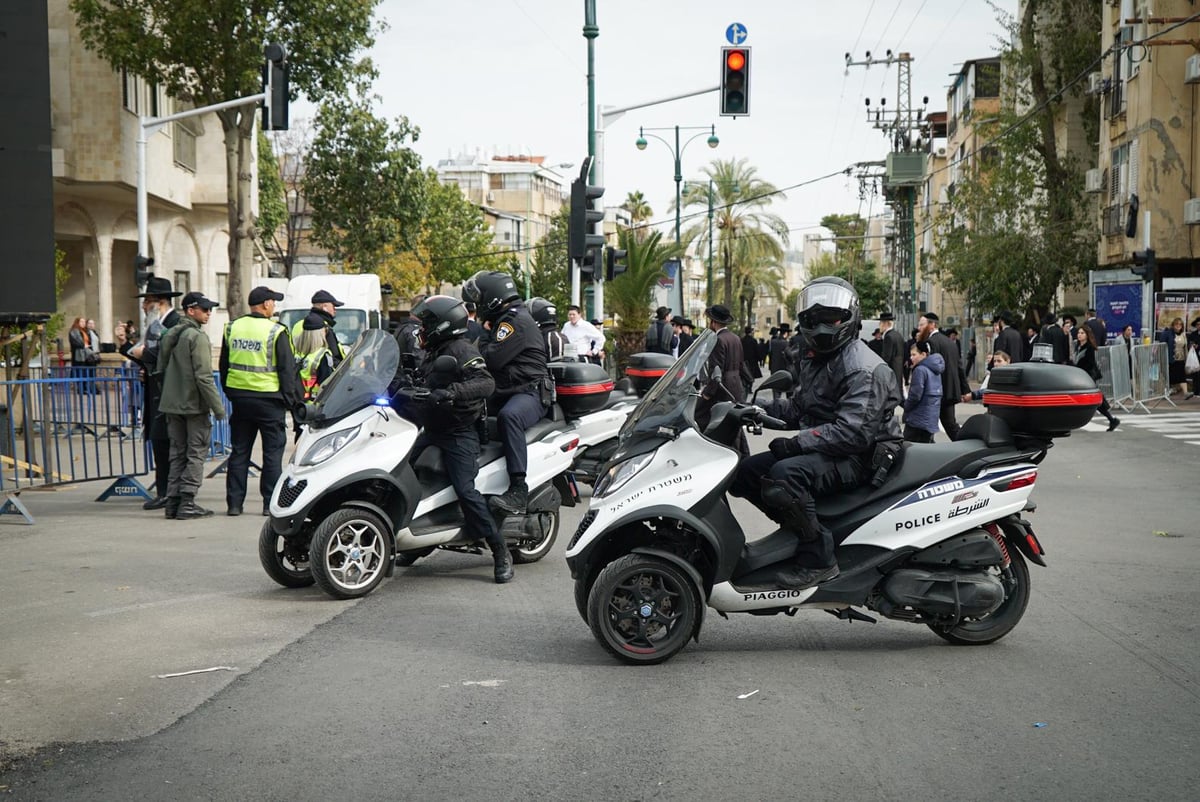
(444, 685)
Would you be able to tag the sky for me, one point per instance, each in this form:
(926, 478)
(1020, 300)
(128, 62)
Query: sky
(510, 76)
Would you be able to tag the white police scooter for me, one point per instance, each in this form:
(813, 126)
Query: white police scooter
(941, 542)
(350, 505)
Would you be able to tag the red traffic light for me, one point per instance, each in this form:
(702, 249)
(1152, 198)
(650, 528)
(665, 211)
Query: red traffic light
(735, 60)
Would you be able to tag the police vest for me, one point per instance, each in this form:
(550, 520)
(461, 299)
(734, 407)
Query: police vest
(308, 372)
(298, 329)
(251, 342)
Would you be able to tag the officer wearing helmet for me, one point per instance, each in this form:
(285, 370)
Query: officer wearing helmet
(516, 357)
(844, 406)
(545, 314)
(452, 410)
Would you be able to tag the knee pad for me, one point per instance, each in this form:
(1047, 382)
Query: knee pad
(777, 494)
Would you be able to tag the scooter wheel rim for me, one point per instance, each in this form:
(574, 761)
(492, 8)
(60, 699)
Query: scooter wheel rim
(355, 554)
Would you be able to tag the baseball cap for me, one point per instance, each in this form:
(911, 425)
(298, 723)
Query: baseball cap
(323, 297)
(260, 295)
(198, 299)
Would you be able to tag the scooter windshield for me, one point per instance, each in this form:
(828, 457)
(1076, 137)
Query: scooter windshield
(669, 403)
(360, 380)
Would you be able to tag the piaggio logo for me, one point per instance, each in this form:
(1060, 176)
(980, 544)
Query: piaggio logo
(768, 595)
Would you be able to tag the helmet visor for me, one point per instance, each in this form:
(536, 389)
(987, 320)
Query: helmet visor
(830, 296)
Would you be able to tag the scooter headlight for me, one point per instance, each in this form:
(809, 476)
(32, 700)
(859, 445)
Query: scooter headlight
(329, 445)
(618, 475)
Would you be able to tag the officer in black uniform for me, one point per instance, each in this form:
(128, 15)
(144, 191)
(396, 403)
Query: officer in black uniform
(453, 409)
(516, 357)
(545, 314)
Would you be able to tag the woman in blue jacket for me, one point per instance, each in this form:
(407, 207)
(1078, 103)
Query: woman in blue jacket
(924, 402)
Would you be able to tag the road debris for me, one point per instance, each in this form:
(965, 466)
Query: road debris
(197, 671)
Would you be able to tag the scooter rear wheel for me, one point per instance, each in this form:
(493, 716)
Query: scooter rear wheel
(350, 553)
(999, 622)
(286, 563)
(643, 610)
(530, 552)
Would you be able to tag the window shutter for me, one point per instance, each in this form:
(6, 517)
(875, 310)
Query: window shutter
(1132, 183)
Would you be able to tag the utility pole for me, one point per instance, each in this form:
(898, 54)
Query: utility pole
(905, 168)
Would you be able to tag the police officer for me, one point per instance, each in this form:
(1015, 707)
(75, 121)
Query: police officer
(324, 306)
(258, 373)
(844, 406)
(515, 353)
(314, 360)
(545, 314)
(451, 415)
(160, 316)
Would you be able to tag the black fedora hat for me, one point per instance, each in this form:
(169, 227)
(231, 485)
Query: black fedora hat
(720, 313)
(158, 287)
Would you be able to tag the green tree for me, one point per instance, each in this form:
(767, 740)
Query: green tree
(272, 202)
(874, 290)
(628, 297)
(741, 204)
(209, 51)
(848, 231)
(551, 268)
(365, 186)
(1018, 226)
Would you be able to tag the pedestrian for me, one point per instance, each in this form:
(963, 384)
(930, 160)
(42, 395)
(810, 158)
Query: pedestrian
(598, 325)
(954, 383)
(450, 416)
(1055, 336)
(724, 368)
(1085, 360)
(894, 351)
(325, 307)
(1127, 341)
(924, 402)
(686, 337)
(1177, 346)
(258, 372)
(159, 311)
(1008, 339)
(1031, 337)
(586, 338)
(659, 337)
(314, 360)
(1193, 340)
(999, 359)
(1099, 330)
(188, 396)
(750, 367)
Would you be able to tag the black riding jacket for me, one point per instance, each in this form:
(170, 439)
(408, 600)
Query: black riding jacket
(470, 382)
(844, 402)
(516, 352)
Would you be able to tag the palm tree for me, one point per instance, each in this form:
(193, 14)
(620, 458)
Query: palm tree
(757, 276)
(639, 211)
(741, 217)
(629, 296)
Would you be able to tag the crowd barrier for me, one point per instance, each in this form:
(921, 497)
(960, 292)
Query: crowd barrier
(1116, 375)
(65, 425)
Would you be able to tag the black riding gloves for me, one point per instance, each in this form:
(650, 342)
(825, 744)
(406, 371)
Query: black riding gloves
(784, 447)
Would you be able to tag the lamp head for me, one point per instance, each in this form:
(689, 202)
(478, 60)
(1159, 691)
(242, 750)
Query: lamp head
(640, 143)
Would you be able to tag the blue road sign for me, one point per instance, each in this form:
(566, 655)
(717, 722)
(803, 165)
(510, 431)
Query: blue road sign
(736, 33)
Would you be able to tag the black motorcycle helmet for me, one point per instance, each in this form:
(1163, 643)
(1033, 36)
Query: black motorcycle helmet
(828, 314)
(491, 291)
(442, 318)
(544, 312)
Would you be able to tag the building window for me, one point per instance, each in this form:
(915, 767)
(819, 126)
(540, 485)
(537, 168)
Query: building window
(183, 281)
(184, 134)
(139, 96)
(987, 79)
(222, 289)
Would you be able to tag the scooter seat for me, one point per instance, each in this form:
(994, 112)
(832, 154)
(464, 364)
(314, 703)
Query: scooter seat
(430, 468)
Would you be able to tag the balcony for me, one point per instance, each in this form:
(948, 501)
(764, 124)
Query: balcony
(1113, 221)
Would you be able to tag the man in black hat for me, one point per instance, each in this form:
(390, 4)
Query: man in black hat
(724, 367)
(750, 360)
(189, 396)
(893, 351)
(686, 334)
(258, 372)
(1008, 340)
(160, 316)
(1053, 335)
(659, 337)
(324, 306)
(954, 378)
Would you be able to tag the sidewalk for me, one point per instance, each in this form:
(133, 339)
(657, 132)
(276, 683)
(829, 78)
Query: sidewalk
(99, 598)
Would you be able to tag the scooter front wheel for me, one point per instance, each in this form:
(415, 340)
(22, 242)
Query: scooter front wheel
(350, 553)
(284, 560)
(1002, 620)
(643, 610)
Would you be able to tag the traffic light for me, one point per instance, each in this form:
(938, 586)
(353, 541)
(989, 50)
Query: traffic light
(141, 270)
(735, 81)
(275, 84)
(590, 263)
(1145, 264)
(582, 237)
(614, 266)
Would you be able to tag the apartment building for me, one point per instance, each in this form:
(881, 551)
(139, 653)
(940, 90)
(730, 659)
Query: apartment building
(94, 114)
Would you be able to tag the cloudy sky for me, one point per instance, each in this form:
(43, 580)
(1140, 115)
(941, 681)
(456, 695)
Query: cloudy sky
(509, 76)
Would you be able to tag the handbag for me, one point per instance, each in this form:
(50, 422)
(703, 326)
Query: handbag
(1192, 363)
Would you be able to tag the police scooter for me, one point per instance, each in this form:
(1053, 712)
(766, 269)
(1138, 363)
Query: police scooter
(942, 541)
(350, 504)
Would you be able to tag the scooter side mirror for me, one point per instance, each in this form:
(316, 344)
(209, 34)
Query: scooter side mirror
(779, 380)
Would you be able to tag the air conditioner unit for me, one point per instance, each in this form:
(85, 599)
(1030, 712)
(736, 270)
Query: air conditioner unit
(1094, 180)
(1096, 83)
(1191, 212)
(491, 197)
(940, 152)
(1191, 70)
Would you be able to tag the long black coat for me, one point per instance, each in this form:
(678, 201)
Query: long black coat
(1012, 343)
(894, 354)
(750, 355)
(1053, 334)
(953, 379)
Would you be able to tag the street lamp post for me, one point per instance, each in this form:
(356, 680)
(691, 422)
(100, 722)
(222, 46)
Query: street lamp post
(677, 153)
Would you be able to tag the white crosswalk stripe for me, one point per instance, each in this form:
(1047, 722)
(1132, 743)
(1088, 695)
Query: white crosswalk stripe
(1184, 426)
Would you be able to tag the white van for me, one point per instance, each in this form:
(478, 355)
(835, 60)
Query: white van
(360, 292)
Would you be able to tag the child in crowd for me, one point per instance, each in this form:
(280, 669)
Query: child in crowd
(924, 402)
(999, 358)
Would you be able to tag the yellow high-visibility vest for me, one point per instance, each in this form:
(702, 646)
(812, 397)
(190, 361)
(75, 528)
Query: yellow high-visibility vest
(251, 342)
